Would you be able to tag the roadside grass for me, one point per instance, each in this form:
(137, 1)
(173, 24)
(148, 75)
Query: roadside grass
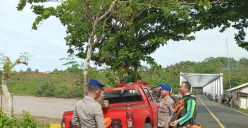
(242, 110)
(28, 84)
(61, 85)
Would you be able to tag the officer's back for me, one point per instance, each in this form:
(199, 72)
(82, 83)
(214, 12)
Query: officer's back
(88, 113)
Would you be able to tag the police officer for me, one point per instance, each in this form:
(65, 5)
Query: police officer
(88, 112)
(166, 106)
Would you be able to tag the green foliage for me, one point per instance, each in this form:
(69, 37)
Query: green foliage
(25, 57)
(36, 71)
(170, 74)
(137, 32)
(55, 70)
(49, 89)
(134, 30)
(69, 85)
(61, 91)
(1, 59)
(48, 84)
(225, 14)
(29, 70)
(111, 77)
(25, 122)
(46, 89)
(76, 91)
(73, 66)
(7, 66)
(242, 110)
(243, 62)
(131, 29)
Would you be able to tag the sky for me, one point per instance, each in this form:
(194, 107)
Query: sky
(47, 44)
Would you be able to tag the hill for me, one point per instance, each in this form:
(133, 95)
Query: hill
(68, 84)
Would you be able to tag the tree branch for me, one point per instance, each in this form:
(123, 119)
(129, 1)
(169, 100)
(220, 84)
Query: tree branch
(18, 61)
(109, 10)
(86, 8)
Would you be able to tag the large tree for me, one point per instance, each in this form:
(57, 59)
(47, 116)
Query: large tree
(122, 33)
(133, 38)
(153, 27)
(6, 72)
(137, 26)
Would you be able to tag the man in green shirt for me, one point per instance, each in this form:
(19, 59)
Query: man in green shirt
(187, 114)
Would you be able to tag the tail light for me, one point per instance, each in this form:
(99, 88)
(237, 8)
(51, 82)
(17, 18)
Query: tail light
(130, 120)
(63, 123)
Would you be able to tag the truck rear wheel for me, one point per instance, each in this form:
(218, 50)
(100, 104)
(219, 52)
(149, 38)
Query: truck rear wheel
(148, 125)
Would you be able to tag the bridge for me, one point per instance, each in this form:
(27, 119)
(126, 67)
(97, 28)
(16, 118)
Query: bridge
(209, 83)
(213, 114)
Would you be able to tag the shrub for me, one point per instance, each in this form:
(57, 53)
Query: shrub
(76, 92)
(61, 92)
(46, 89)
(26, 121)
(65, 92)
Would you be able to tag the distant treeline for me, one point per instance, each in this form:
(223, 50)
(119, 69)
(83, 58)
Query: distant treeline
(68, 83)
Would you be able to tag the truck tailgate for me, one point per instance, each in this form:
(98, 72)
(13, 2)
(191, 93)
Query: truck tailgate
(118, 115)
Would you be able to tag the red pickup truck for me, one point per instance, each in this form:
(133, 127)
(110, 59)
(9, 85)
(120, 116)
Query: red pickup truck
(131, 106)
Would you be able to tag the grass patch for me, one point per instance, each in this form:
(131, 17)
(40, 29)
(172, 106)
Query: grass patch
(61, 85)
(242, 110)
(28, 84)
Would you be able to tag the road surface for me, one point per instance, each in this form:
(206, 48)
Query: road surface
(225, 116)
(41, 106)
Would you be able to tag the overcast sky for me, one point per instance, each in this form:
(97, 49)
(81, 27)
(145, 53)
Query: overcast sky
(47, 44)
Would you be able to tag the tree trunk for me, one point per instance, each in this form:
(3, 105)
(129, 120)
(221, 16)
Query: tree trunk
(87, 60)
(7, 95)
(97, 21)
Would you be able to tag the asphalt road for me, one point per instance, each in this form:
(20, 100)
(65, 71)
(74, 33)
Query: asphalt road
(226, 116)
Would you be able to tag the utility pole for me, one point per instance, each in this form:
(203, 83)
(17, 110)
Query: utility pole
(228, 68)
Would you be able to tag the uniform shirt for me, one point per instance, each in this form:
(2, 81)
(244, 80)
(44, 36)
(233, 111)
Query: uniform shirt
(166, 110)
(88, 114)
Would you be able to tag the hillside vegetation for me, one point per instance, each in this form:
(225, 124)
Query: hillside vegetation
(68, 83)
